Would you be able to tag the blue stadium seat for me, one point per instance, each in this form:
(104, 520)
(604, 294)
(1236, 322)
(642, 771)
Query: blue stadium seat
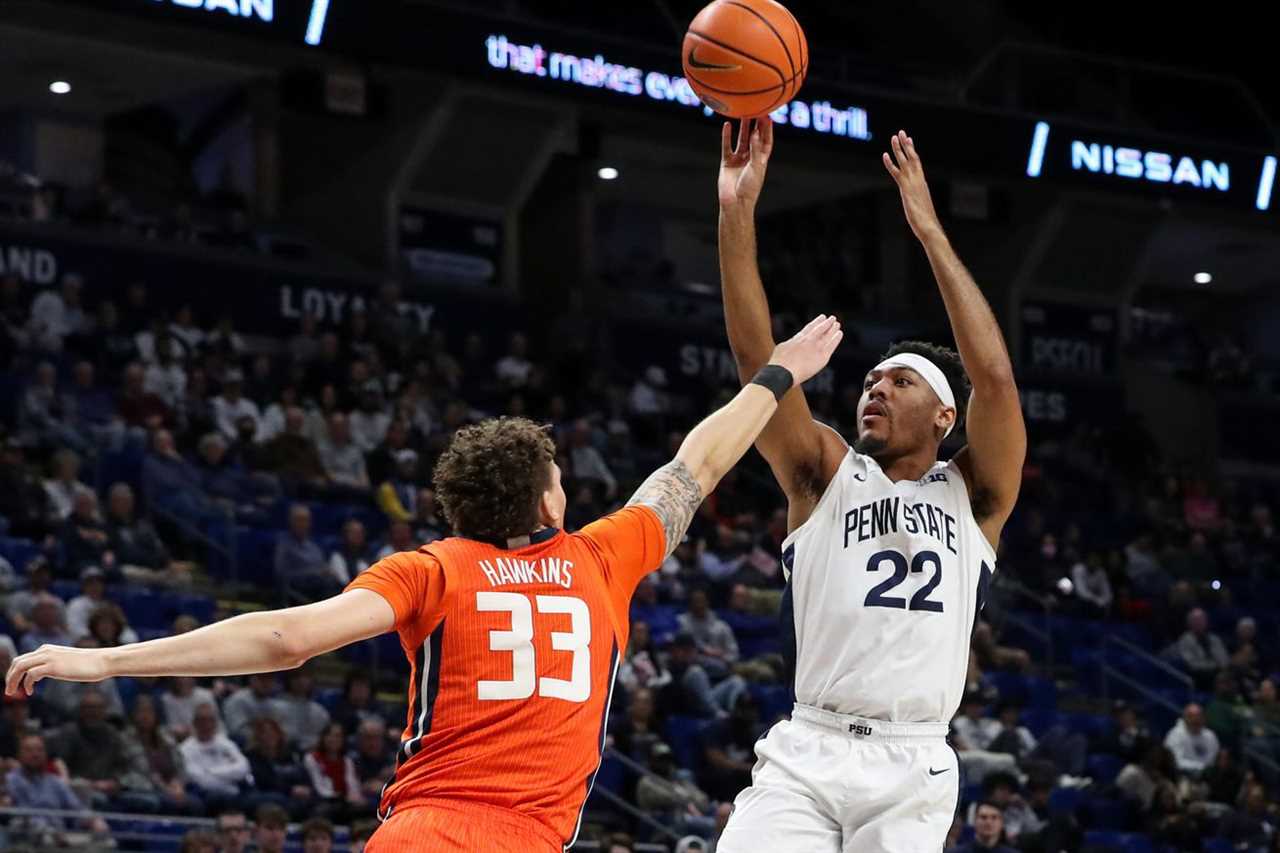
(1217, 845)
(1065, 800)
(1103, 768)
(612, 776)
(19, 552)
(1105, 839)
(682, 736)
(328, 698)
(1039, 720)
(1107, 813)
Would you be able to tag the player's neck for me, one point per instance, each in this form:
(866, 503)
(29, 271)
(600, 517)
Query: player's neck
(910, 466)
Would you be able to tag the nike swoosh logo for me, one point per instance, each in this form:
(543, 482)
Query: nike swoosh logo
(861, 478)
(695, 62)
(933, 772)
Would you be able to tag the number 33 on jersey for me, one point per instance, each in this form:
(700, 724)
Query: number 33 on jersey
(513, 655)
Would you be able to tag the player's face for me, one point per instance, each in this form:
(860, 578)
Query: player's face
(897, 412)
(554, 500)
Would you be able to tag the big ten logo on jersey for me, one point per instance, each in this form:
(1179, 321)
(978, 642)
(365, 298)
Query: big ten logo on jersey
(507, 571)
(887, 516)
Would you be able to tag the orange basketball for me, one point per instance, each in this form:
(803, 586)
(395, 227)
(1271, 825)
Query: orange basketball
(745, 58)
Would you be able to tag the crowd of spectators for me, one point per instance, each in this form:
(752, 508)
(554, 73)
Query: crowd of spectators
(137, 436)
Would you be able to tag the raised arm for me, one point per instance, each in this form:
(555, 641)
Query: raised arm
(720, 440)
(803, 454)
(992, 461)
(255, 642)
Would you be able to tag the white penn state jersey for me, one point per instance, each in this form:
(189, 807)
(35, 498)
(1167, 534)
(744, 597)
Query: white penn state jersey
(885, 581)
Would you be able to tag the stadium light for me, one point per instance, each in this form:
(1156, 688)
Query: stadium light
(60, 87)
(607, 173)
(1203, 278)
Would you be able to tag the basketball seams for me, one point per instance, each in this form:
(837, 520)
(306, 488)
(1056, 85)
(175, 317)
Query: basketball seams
(772, 29)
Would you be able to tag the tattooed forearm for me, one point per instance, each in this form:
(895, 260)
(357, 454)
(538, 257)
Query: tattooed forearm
(674, 494)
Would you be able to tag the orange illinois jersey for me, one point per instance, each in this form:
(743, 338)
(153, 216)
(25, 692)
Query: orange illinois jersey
(513, 654)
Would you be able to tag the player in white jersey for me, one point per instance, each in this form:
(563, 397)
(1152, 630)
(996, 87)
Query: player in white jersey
(888, 554)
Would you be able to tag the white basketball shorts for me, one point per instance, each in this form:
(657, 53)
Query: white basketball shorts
(832, 783)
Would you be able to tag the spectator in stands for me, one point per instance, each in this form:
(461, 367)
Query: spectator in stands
(21, 604)
(988, 831)
(382, 461)
(1143, 568)
(228, 483)
(278, 774)
(317, 836)
(1128, 735)
(292, 456)
(154, 752)
(47, 625)
(245, 706)
(1201, 650)
(642, 665)
(513, 368)
(99, 761)
(64, 486)
(428, 524)
(165, 376)
(1227, 711)
(1194, 746)
(108, 628)
(1251, 828)
(673, 795)
(89, 410)
(1092, 585)
(231, 405)
(198, 841)
(299, 562)
(399, 538)
(270, 829)
(41, 419)
(1013, 738)
(224, 338)
(728, 748)
(717, 647)
(174, 482)
(370, 421)
(181, 699)
(333, 774)
(619, 842)
(398, 496)
(635, 732)
(1224, 779)
(24, 503)
(138, 407)
(56, 315)
(1246, 659)
(215, 765)
(15, 721)
(140, 555)
(84, 539)
(342, 459)
(586, 465)
(690, 692)
(93, 594)
(302, 718)
(1264, 729)
(358, 705)
(353, 554)
(233, 831)
(373, 759)
(35, 784)
(304, 346)
(992, 655)
(111, 345)
(647, 397)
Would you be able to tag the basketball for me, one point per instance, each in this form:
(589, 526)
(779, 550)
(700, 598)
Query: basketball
(745, 58)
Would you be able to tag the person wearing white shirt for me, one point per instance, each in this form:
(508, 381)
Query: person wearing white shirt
(185, 330)
(166, 377)
(64, 487)
(586, 463)
(1091, 584)
(214, 764)
(56, 314)
(973, 734)
(647, 397)
(230, 406)
(181, 701)
(1193, 744)
(370, 422)
(93, 594)
(513, 368)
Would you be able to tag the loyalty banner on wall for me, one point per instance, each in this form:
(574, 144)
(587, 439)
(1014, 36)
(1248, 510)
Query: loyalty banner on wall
(261, 298)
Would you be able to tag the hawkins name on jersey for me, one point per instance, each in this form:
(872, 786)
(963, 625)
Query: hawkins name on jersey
(885, 582)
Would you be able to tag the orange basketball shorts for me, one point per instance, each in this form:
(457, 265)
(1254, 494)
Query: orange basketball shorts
(452, 827)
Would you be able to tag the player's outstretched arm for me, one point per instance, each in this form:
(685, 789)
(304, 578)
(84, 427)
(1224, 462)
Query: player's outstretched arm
(802, 453)
(992, 461)
(717, 443)
(255, 642)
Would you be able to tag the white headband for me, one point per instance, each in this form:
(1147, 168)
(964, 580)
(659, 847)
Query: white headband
(929, 372)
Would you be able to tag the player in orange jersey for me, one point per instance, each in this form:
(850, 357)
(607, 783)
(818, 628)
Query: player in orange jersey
(512, 627)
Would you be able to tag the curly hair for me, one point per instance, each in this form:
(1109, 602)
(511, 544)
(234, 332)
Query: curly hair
(948, 361)
(490, 478)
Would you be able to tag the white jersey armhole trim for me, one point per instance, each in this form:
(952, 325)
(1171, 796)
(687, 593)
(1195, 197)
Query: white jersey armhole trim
(956, 474)
(822, 501)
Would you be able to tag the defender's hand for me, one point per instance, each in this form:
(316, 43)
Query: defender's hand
(742, 169)
(907, 171)
(809, 351)
(62, 662)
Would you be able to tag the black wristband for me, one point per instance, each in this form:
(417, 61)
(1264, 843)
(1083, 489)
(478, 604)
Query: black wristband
(776, 378)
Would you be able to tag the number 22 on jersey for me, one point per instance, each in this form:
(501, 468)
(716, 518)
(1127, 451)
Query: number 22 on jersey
(518, 642)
